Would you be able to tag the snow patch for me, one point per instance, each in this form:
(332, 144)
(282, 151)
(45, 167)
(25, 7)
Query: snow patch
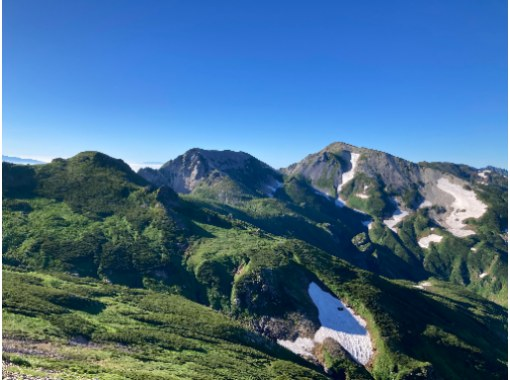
(364, 194)
(349, 175)
(484, 173)
(424, 242)
(484, 274)
(301, 346)
(339, 323)
(396, 218)
(423, 285)
(425, 203)
(346, 177)
(466, 205)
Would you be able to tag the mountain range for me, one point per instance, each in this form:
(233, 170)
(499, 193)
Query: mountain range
(351, 263)
(18, 160)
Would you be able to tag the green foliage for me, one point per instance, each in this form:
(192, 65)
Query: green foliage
(18, 180)
(339, 364)
(140, 334)
(377, 204)
(91, 183)
(91, 218)
(412, 198)
(50, 234)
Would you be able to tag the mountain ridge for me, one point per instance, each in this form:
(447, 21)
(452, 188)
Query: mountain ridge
(256, 259)
(19, 160)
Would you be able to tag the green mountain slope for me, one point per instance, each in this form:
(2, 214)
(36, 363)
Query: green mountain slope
(113, 261)
(82, 328)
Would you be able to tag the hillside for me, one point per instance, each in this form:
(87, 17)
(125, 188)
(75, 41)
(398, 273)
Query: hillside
(123, 278)
(223, 175)
(381, 213)
(461, 209)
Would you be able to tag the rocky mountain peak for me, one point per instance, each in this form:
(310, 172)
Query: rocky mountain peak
(214, 159)
(211, 168)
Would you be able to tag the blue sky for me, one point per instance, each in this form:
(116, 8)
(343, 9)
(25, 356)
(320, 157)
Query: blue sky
(147, 80)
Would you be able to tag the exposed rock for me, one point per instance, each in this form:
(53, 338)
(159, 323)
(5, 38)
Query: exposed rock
(444, 186)
(198, 167)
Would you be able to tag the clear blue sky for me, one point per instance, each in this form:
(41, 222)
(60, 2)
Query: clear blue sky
(147, 80)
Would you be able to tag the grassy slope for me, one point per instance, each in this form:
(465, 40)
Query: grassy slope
(410, 327)
(231, 264)
(123, 333)
(298, 212)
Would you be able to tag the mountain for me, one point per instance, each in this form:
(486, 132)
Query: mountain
(17, 160)
(199, 270)
(410, 220)
(385, 186)
(223, 175)
(459, 208)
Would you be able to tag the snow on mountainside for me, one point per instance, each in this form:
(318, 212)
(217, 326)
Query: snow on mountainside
(347, 176)
(397, 217)
(368, 181)
(338, 322)
(465, 205)
(424, 242)
(442, 185)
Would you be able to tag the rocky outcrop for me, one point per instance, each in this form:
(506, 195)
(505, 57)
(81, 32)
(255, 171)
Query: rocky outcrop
(198, 167)
(392, 183)
(395, 172)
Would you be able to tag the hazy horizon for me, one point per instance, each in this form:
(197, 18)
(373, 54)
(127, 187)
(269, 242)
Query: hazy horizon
(137, 164)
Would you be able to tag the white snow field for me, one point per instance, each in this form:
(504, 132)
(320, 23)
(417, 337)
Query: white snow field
(424, 242)
(425, 203)
(423, 285)
(484, 173)
(396, 218)
(301, 346)
(339, 323)
(363, 195)
(482, 275)
(466, 205)
(346, 177)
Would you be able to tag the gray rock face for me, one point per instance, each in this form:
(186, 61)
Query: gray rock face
(199, 167)
(402, 182)
(329, 164)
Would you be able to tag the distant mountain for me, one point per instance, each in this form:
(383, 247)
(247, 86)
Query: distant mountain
(365, 193)
(389, 187)
(351, 264)
(137, 166)
(17, 160)
(225, 175)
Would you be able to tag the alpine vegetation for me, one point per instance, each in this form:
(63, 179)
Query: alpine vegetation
(216, 265)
